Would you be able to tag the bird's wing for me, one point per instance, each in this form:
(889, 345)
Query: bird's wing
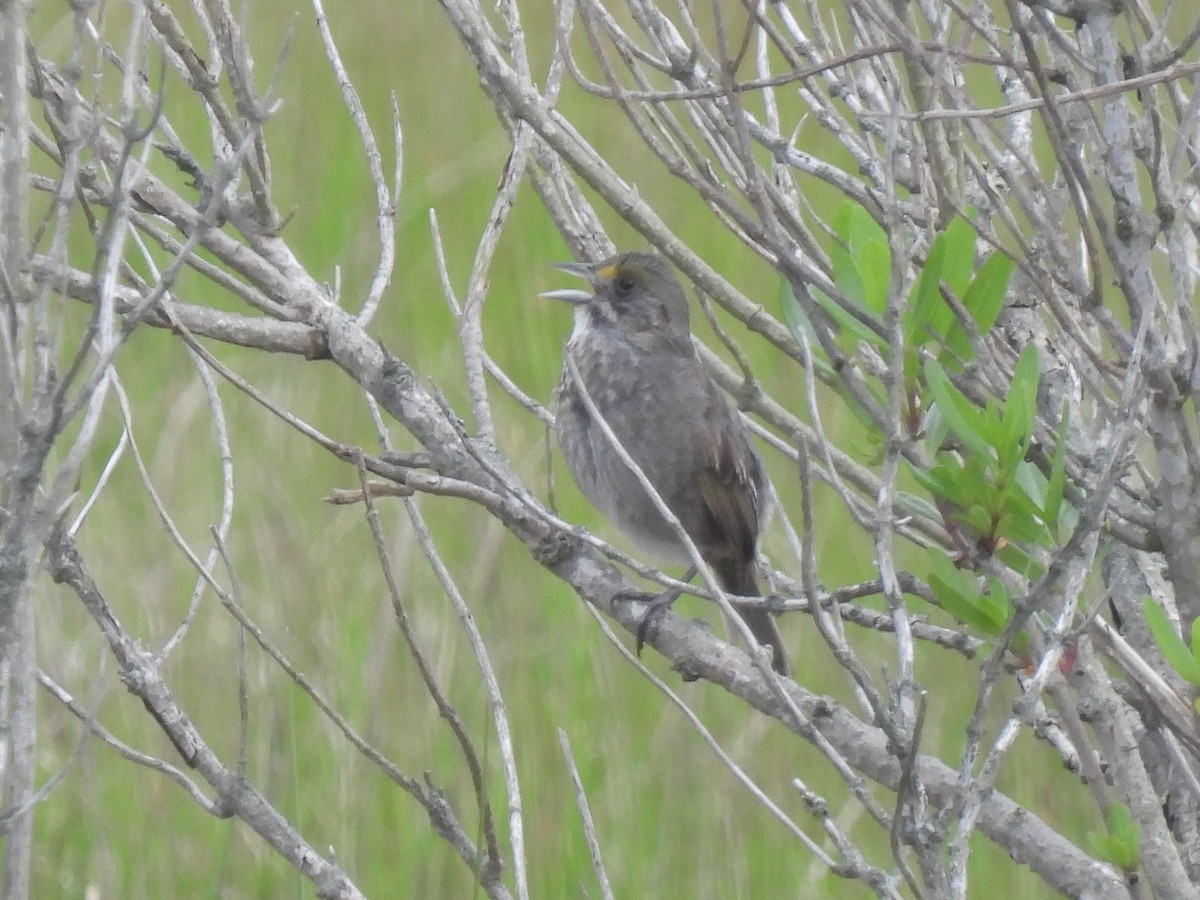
(731, 481)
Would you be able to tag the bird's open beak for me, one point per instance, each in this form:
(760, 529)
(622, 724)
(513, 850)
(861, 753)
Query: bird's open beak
(573, 295)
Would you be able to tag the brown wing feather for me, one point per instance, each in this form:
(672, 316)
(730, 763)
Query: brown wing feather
(730, 490)
(729, 485)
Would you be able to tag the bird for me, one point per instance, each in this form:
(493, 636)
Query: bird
(631, 347)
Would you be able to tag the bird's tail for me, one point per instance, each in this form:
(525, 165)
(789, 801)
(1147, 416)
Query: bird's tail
(739, 580)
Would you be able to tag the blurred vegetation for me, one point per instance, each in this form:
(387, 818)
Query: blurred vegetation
(671, 819)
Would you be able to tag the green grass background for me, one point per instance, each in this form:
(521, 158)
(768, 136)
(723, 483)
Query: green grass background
(672, 822)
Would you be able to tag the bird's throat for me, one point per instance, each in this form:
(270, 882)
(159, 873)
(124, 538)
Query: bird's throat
(583, 321)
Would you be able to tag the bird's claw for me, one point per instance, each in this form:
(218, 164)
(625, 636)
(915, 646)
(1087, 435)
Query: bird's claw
(655, 610)
(649, 625)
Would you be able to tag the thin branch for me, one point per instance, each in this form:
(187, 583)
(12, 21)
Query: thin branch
(585, 813)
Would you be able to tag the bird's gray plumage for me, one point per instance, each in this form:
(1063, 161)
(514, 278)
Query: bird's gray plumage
(632, 348)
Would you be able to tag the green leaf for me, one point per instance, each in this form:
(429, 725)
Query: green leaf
(875, 272)
(845, 273)
(1018, 524)
(962, 585)
(983, 301)
(1120, 821)
(1020, 561)
(985, 297)
(1056, 484)
(994, 428)
(1178, 655)
(958, 346)
(941, 480)
(863, 249)
(996, 605)
(962, 484)
(801, 328)
(964, 420)
(960, 255)
(935, 428)
(975, 483)
(958, 594)
(1020, 408)
(925, 315)
(919, 505)
(1121, 846)
(848, 321)
(793, 313)
(1033, 483)
(1024, 389)
(1013, 443)
(1024, 500)
(978, 518)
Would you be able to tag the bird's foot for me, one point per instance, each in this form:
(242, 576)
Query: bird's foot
(655, 610)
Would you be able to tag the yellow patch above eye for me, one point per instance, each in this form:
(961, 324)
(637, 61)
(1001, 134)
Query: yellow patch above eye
(607, 271)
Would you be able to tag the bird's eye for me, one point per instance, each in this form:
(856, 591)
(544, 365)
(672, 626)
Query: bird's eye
(625, 284)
